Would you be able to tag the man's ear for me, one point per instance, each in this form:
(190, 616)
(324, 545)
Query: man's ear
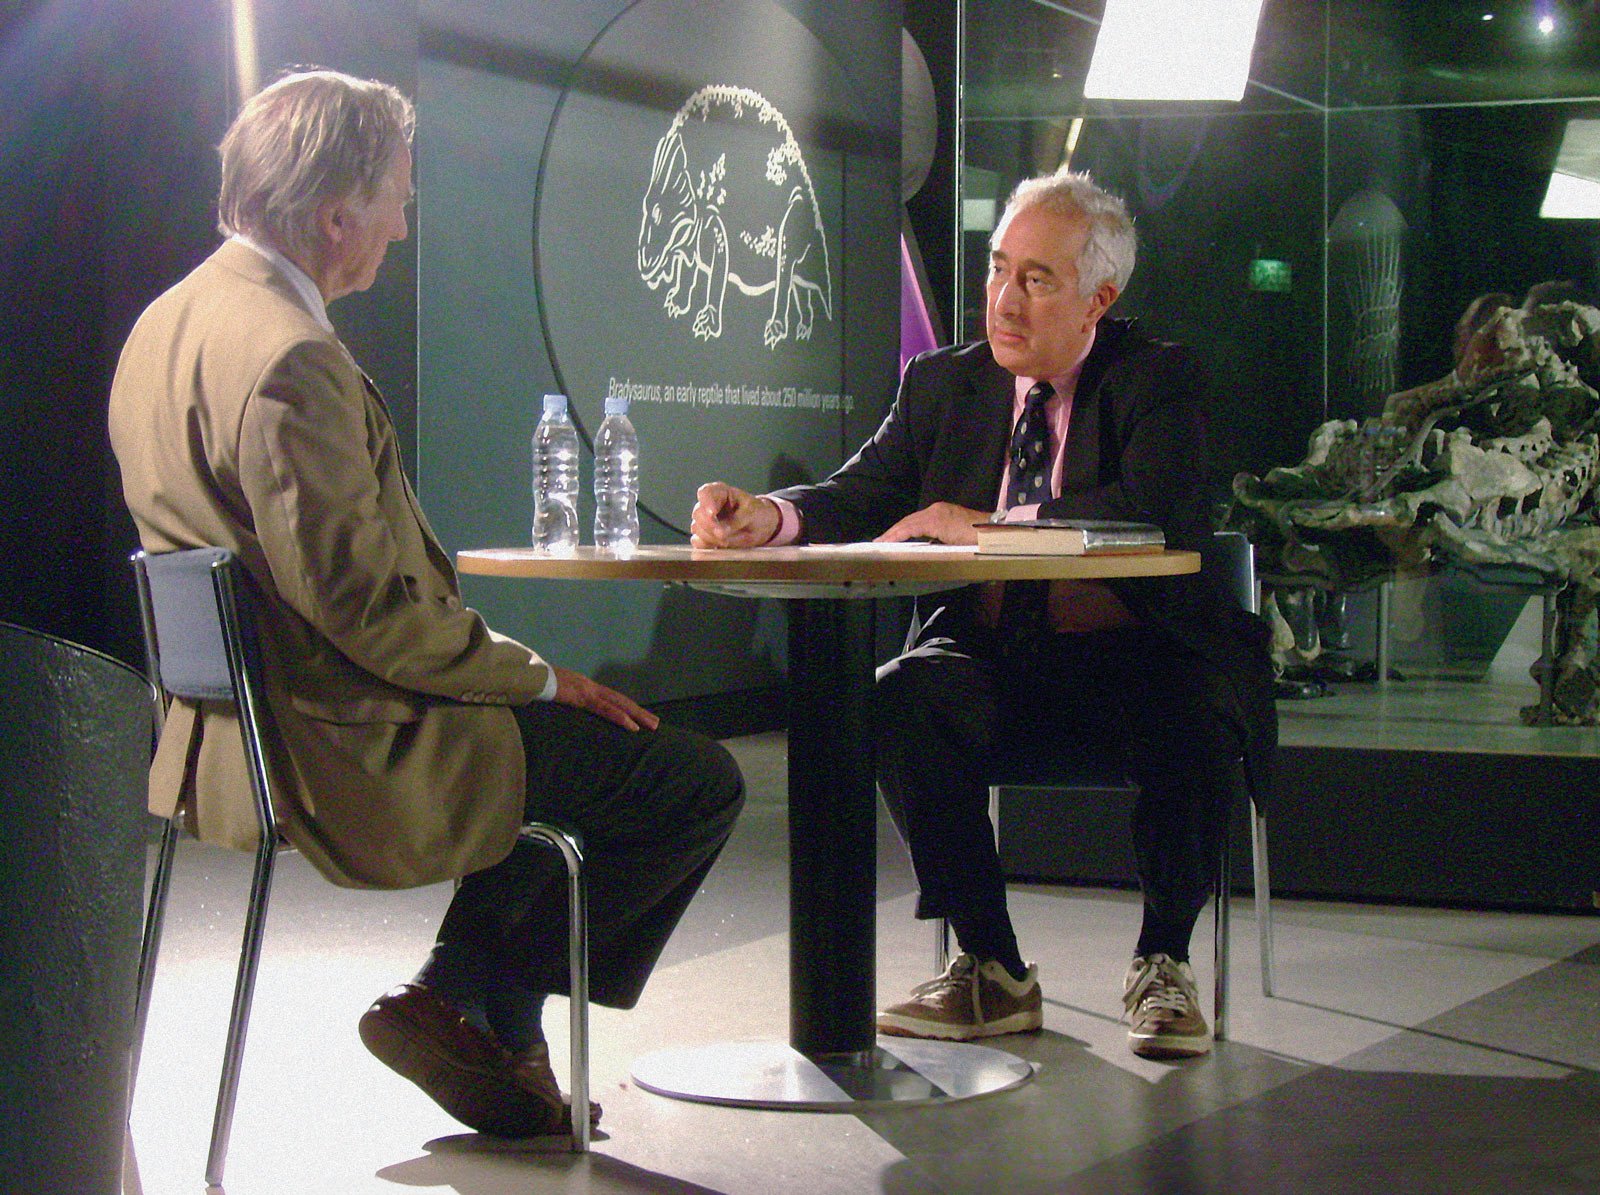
(333, 222)
(1099, 302)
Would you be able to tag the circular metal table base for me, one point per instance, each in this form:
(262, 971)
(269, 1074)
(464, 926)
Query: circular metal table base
(772, 1074)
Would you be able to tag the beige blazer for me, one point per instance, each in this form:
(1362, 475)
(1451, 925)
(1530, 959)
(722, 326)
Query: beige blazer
(240, 422)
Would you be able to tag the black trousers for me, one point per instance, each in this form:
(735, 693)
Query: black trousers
(951, 718)
(653, 807)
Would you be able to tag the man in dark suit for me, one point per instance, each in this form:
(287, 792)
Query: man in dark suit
(1059, 412)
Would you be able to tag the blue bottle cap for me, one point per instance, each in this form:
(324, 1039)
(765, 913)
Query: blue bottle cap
(555, 404)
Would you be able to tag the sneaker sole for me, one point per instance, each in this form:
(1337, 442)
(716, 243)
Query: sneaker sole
(897, 1026)
(1169, 1046)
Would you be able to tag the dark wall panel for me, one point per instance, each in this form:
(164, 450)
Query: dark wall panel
(694, 203)
(1440, 827)
(105, 182)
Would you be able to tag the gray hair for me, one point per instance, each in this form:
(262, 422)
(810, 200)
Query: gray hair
(309, 139)
(1112, 245)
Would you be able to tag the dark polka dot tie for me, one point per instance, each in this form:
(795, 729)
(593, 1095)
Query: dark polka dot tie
(1030, 449)
(1023, 609)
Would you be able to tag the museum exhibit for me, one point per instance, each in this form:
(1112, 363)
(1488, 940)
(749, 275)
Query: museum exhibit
(1374, 226)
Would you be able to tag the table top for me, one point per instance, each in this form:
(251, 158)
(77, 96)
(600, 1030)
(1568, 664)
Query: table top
(900, 567)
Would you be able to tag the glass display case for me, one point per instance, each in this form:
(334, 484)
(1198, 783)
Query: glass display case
(1319, 239)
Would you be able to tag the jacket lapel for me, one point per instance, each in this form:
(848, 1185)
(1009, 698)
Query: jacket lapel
(389, 455)
(1082, 457)
(982, 424)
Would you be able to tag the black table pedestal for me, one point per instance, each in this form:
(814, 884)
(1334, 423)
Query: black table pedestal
(833, 832)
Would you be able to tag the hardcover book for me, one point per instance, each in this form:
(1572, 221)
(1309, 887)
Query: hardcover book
(1068, 537)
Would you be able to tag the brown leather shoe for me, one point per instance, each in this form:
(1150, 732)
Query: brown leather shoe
(463, 1068)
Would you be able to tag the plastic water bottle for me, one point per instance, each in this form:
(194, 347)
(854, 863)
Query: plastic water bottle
(555, 479)
(616, 481)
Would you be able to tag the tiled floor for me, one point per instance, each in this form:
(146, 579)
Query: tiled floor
(1405, 1051)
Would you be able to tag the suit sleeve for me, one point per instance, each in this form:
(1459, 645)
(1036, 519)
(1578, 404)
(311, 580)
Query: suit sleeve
(880, 484)
(344, 548)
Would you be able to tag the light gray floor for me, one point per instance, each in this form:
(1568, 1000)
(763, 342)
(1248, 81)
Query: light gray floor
(1408, 1050)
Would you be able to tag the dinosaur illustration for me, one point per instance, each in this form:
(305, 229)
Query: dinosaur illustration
(692, 201)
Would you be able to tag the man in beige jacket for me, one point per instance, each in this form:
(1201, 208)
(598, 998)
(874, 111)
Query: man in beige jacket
(408, 741)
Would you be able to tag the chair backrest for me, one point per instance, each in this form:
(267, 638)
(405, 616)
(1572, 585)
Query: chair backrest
(186, 640)
(1234, 559)
(201, 645)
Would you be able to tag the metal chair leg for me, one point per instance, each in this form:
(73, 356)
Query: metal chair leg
(1219, 942)
(150, 948)
(571, 848)
(255, 924)
(210, 656)
(1263, 883)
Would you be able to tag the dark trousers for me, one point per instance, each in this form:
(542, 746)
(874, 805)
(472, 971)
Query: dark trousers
(653, 808)
(951, 719)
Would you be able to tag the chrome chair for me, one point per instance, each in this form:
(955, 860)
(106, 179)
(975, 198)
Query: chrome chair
(1234, 559)
(571, 848)
(200, 645)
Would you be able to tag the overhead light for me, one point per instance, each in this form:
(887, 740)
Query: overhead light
(1173, 50)
(1574, 190)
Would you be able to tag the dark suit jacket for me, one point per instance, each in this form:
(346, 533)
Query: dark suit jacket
(1135, 449)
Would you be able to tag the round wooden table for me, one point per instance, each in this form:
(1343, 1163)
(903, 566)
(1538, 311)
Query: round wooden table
(876, 570)
(833, 1059)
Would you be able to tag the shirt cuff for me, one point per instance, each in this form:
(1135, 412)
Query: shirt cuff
(548, 693)
(788, 523)
(1029, 510)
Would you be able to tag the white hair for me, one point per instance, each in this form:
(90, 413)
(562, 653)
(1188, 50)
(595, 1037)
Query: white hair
(311, 137)
(1111, 245)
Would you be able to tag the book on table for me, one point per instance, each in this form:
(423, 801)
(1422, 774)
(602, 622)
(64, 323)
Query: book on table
(1068, 537)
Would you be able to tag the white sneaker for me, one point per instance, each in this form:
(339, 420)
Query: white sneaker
(1162, 1003)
